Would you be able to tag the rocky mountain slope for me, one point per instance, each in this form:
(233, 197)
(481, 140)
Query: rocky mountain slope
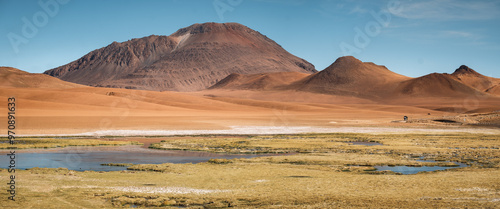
(193, 58)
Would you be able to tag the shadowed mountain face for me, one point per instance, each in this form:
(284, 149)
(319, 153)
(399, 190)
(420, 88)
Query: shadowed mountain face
(193, 58)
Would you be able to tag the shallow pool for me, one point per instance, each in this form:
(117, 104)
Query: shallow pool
(405, 170)
(91, 158)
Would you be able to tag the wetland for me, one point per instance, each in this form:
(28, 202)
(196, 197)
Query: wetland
(313, 170)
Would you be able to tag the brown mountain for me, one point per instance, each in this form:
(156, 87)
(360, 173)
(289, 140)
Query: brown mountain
(464, 82)
(348, 76)
(436, 84)
(474, 79)
(190, 59)
(351, 77)
(15, 78)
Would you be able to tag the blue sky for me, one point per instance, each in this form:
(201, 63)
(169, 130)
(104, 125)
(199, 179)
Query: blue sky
(412, 38)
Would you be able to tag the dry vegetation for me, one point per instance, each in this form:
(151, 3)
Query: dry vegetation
(325, 172)
(29, 143)
(478, 149)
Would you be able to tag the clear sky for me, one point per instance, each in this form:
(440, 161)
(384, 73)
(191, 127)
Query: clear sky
(412, 38)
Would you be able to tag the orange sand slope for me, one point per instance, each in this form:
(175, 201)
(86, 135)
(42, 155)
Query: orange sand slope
(47, 105)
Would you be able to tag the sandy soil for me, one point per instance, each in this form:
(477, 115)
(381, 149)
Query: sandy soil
(252, 130)
(93, 111)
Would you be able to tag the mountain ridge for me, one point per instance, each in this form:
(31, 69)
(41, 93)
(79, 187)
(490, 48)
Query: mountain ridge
(348, 76)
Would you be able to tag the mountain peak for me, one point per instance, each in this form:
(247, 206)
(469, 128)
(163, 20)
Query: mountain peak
(346, 64)
(351, 65)
(474, 79)
(347, 59)
(350, 76)
(464, 70)
(199, 28)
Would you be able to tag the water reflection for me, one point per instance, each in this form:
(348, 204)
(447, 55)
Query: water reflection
(405, 170)
(91, 158)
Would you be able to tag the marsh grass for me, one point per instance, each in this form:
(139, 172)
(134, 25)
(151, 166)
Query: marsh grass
(325, 173)
(45, 143)
(473, 149)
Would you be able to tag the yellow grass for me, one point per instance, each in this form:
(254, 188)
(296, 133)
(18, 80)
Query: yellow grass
(324, 177)
(29, 143)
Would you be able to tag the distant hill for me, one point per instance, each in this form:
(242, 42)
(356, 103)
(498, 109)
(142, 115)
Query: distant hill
(436, 84)
(474, 79)
(261, 81)
(193, 58)
(15, 78)
(349, 76)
